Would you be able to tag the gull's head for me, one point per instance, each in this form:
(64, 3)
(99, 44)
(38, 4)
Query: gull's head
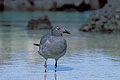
(59, 31)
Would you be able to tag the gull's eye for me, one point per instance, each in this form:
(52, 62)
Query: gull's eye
(57, 28)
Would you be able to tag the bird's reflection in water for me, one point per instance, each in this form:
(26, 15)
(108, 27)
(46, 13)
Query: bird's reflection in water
(55, 76)
(45, 76)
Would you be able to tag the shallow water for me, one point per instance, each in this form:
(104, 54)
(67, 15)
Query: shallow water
(90, 56)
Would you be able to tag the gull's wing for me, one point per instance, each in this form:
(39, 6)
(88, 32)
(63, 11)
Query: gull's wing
(44, 39)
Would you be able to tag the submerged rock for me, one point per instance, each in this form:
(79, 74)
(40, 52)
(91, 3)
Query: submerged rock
(40, 23)
(106, 21)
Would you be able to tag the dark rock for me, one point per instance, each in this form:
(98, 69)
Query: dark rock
(40, 23)
(94, 4)
(107, 21)
(65, 7)
(102, 3)
(1, 5)
(53, 5)
(83, 6)
(31, 2)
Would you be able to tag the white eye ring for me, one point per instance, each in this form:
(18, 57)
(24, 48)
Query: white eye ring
(57, 28)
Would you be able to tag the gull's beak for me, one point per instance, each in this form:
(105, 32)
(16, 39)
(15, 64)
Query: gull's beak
(66, 32)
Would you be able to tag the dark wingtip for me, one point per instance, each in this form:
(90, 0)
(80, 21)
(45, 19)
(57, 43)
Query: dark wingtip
(36, 44)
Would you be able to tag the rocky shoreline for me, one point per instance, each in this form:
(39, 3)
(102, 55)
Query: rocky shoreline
(51, 5)
(106, 21)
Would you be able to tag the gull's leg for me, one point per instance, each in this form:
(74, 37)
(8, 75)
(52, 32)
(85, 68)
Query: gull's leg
(55, 65)
(45, 64)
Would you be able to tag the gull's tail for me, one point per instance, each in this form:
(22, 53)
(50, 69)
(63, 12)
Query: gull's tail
(36, 44)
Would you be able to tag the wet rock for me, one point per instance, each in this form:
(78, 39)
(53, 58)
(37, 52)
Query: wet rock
(1, 5)
(65, 7)
(94, 4)
(106, 21)
(85, 5)
(40, 23)
(102, 3)
(53, 5)
(31, 2)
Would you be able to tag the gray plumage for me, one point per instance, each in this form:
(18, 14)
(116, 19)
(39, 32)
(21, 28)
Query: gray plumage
(53, 45)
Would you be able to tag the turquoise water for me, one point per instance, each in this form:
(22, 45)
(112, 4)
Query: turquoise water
(90, 56)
